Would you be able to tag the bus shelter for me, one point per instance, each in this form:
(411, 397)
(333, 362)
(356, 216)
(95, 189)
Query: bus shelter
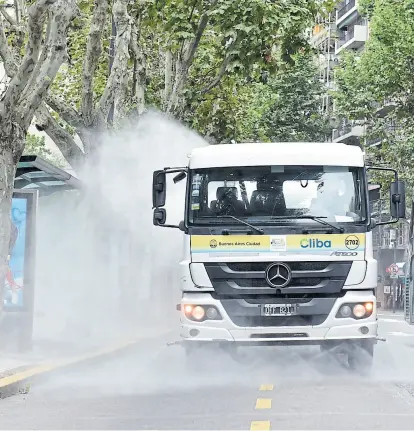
(35, 177)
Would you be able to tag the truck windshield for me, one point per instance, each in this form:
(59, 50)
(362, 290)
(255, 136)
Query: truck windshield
(266, 194)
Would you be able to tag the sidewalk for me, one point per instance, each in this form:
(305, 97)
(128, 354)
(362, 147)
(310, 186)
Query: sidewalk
(16, 368)
(388, 313)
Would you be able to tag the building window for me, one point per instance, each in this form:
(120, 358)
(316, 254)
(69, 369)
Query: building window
(401, 235)
(386, 239)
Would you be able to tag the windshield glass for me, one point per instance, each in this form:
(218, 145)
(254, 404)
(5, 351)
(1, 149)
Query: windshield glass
(265, 193)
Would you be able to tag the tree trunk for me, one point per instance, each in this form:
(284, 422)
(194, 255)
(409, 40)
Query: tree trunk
(7, 171)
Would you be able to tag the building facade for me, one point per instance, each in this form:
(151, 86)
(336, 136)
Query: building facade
(347, 30)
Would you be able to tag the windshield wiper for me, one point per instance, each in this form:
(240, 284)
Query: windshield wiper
(257, 229)
(311, 217)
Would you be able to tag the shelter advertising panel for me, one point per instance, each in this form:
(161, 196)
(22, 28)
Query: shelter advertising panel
(19, 283)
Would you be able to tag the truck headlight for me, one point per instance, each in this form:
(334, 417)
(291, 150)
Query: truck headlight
(345, 311)
(201, 313)
(212, 313)
(198, 313)
(359, 310)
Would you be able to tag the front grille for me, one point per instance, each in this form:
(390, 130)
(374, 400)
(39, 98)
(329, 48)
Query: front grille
(247, 312)
(242, 279)
(249, 321)
(282, 335)
(262, 266)
(258, 282)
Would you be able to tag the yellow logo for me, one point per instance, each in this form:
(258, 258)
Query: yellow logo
(213, 243)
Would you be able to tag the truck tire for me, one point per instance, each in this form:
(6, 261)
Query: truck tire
(361, 356)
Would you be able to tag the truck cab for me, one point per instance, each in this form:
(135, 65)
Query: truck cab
(277, 247)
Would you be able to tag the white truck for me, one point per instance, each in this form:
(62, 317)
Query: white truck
(278, 246)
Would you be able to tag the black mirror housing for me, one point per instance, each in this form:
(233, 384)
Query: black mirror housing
(159, 216)
(159, 189)
(397, 199)
(179, 177)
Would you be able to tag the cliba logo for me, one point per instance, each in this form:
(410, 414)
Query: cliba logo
(315, 243)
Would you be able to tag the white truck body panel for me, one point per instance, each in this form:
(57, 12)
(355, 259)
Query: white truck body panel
(202, 250)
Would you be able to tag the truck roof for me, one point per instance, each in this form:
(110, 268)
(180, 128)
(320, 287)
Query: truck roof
(280, 153)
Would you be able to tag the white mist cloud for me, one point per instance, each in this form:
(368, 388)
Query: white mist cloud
(101, 265)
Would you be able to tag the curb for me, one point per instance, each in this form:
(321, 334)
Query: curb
(17, 381)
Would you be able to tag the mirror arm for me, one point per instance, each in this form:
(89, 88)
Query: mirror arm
(392, 221)
(375, 168)
(175, 170)
(172, 226)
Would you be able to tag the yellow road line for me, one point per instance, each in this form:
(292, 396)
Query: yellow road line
(260, 426)
(23, 375)
(263, 403)
(266, 388)
(43, 368)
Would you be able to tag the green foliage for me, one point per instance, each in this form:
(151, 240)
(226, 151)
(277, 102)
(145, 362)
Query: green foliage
(266, 91)
(36, 145)
(258, 37)
(383, 72)
(366, 7)
(255, 35)
(280, 107)
(68, 82)
(295, 115)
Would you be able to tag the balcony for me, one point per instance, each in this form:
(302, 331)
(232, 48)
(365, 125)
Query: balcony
(384, 108)
(376, 142)
(392, 132)
(346, 11)
(354, 38)
(348, 134)
(321, 32)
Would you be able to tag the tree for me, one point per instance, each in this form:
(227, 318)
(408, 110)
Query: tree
(284, 106)
(170, 54)
(30, 76)
(295, 114)
(377, 87)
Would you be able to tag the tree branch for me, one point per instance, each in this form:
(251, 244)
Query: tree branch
(8, 17)
(140, 71)
(63, 139)
(168, 76)
(189, 55)
(93, 52)
(221, 73)
(6, 54)
(185, 61)
(61, 14)
(120, 64)
(68, 114)
(36, 15)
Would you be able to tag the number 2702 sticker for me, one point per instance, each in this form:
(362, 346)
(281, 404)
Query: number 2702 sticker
(351, 242)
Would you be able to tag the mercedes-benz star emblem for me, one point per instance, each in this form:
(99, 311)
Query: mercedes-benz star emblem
(278, 275)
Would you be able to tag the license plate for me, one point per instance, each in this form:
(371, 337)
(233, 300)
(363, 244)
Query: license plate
(270, 310)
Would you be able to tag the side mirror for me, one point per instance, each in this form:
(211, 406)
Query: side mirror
(159, 189)
(397, 199)
(159, 217)
(179, 177)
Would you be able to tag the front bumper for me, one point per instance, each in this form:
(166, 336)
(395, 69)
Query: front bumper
(331, 330)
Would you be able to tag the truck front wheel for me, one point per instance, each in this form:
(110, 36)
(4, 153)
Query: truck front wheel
(361, 356)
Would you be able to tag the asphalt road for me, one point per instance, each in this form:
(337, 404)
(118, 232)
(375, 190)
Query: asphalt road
(150, 387)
